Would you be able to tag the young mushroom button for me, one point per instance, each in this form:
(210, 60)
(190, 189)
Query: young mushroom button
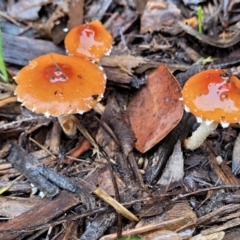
(213, 96)
(59, 86)
(89, 40)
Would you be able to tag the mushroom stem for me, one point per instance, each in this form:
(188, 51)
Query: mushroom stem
(68, 125)
(199, 135)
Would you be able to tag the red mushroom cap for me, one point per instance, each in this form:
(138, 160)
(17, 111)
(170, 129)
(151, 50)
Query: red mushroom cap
(56, 85)
(213, 95)
(89, 40)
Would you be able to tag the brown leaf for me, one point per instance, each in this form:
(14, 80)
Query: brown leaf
(178, 210)
(124, 62)
(155, 110)
(120, 69)
(160, 16)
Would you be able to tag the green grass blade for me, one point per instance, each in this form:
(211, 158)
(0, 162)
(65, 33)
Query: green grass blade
(200, 19)
(3, 74)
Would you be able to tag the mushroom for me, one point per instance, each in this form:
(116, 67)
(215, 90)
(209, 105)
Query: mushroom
(60, 86)
(213, 96)
(89, 40)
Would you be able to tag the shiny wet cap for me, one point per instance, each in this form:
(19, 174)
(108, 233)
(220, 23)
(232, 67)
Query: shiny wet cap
(56, 85)
(89, 40)
(213, 95)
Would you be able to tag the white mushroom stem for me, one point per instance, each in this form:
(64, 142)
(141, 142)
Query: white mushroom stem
(68, 122)
(68, 125)
(200, 135)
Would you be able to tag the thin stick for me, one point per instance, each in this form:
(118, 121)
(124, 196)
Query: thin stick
(42, 147)
(57, 66)
(146, 228)
(115, 204)
(8, 100)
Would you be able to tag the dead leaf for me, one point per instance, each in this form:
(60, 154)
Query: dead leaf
(155, 109)
(160, 16)
(120, 69)
(179, 210)
(125, 62)
(213, 236)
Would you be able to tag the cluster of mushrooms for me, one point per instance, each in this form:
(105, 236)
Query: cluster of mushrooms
(59, 85)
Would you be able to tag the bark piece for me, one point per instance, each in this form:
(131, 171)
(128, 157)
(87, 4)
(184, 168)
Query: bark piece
(222, 170)
(16, 49)
(236, 156)
(160, 158)
(99, 226)
(216, 214)
(44, 178)
(174, 168)
(114, 118)
(120, 23)
(39, 214)
(14, 206)
(25, 10)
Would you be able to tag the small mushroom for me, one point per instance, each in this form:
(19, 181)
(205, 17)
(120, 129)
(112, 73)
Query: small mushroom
(89, 40)
(60, 86)
(213, 96)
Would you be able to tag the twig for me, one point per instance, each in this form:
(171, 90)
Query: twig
(42, 147)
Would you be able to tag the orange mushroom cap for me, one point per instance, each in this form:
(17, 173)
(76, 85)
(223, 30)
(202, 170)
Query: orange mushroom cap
(89, 40)
(213, 95)
(56, 85)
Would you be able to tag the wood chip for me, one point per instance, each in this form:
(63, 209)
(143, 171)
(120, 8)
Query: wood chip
(41, 213)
